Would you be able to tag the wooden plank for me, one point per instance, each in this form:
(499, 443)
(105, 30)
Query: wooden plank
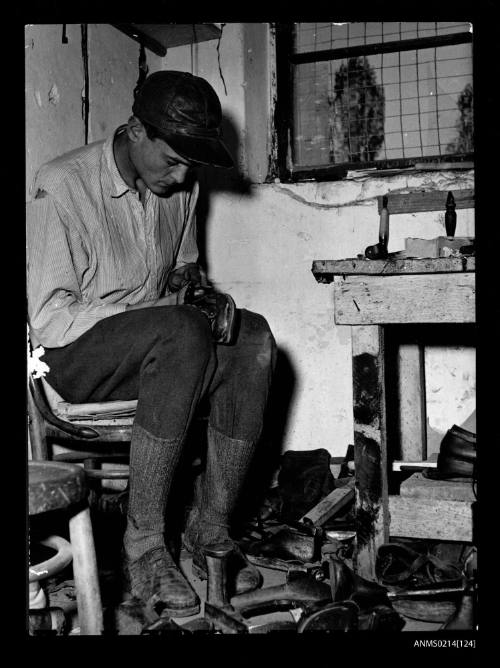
(417, 486)
(370, 447)
(433, 200)
(430, 518)
(325, 270)
(412, 404)
(330, 505)
(441, 298)
(158, 37)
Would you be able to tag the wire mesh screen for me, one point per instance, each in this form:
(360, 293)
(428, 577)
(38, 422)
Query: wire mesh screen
(411, 103)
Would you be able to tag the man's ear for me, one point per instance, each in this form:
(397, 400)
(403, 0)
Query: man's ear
(135, 129)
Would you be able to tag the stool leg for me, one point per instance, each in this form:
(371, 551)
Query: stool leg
(88, 595)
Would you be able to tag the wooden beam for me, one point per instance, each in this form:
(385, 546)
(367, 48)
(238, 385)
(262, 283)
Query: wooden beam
(325, 270)
(158, 37)
(433, 519)
(370, 447)
(419, 487)
(426, 298)
(141, 36)
(330, 505)
(433, 200)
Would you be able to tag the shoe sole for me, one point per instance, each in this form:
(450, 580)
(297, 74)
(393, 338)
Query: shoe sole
(172, 611)
(185, 612)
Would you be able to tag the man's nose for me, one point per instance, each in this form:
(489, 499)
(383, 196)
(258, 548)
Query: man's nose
(179, 173)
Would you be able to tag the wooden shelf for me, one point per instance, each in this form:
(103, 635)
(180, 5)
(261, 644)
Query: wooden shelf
(158, 37)
(433, 509)
(325, 270)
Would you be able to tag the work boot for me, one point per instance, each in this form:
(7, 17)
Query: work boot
(218, 307)
(156, 580)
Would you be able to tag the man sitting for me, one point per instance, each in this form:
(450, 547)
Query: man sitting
(116, 297)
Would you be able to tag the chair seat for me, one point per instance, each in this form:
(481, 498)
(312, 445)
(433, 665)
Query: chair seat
(109, 411)
(115, 412)
(54, 486)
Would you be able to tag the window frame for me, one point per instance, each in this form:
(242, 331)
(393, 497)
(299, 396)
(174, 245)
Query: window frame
(283, 115)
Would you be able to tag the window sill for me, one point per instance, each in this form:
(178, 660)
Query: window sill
(342, 173)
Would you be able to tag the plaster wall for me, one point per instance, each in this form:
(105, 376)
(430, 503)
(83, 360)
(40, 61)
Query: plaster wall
(260, 249)
(55, 85)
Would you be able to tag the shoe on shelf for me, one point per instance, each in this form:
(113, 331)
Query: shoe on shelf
(457, 456)
(156, 580)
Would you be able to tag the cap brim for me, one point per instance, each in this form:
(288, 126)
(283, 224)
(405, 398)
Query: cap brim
(206, 150)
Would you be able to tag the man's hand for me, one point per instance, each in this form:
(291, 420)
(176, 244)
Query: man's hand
(189, 273)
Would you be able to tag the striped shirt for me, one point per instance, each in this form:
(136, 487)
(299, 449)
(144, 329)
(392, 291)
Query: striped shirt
(94, 247)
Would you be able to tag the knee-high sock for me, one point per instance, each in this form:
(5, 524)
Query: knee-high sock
(228, 461)
(153, 462)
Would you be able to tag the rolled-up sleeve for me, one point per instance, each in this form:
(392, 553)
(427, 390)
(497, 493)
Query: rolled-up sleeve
(57, 313)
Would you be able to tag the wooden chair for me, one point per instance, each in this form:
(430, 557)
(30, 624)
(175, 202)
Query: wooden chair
(92, 432)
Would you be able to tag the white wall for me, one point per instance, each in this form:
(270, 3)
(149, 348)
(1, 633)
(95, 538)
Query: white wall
(261, 249)
(55, 84)
(262, 238)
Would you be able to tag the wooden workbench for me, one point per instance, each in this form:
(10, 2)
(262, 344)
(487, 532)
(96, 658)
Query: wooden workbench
(369, 294)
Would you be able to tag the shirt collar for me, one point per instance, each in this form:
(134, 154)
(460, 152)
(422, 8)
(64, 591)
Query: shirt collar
(118, 185)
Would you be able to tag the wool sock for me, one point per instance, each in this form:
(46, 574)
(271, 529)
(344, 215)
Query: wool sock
(228, 461)
(153, 462)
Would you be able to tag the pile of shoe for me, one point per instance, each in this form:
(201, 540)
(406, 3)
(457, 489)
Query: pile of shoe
(427, 581)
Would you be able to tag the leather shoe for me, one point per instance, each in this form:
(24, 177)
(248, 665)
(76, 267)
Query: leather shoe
(218, 307)
(286, 544)
(155, 579)
(242, 576)
(457, 455)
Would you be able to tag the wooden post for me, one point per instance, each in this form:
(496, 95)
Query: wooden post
(412, 404)
(88, 595)
(370, 447)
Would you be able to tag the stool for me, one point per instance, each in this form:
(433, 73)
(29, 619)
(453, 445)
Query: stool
(58, 486)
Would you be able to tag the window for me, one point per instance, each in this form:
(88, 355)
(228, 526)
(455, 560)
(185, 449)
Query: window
(379, 94)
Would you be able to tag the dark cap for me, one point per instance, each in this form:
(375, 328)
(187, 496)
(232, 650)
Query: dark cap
(187, 112)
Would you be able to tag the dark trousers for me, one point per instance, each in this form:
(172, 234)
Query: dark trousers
(165, 357)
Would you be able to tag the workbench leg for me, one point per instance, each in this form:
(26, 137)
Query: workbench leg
(370, 446)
